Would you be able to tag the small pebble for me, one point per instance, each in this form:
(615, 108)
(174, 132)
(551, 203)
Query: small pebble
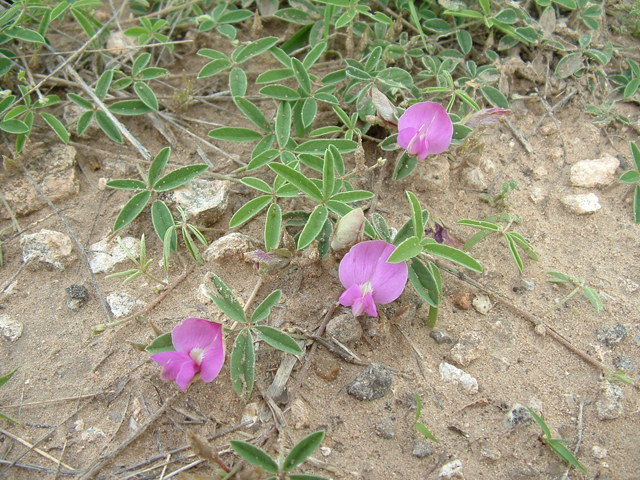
(468, 348)
(608, 404)
(611, 335)
(518, 416)
(385, 429)
(78, 296)
(10, 329)
(373, 382)
(452, 374)
(441, 337)
(482, 304)
(452, 470)
(344, 328)
(422, 448)
(582, 204)
(625, 363)
(462, 300)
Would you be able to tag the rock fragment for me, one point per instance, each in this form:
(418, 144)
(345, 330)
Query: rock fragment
(385, 429)
(344, 328)
(203, 201)
(451, 470)
(422, 448)
(482, 303)
(518, 416)
(441, 337)
(452, 374)
(611, 335)
(373, 382)
(595, 173)
(231, 246)
(582, 204)
(608, 404)
(462, 300)
(47, 246)
(104, 256)
(9, 328)
(468, 348)
(121, 304)
(78, 296)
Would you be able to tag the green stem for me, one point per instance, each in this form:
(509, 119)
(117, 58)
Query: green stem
(562, 302)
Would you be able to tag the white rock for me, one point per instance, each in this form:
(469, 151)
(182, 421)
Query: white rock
(473, 178)
(92, 434)
(47, 247)
(118, 43)
(537, 194)
(608, 404)
(10, 329)
(595, 173)
(121, 304)
(482, 303)
(204, 201)
(452, 374)
(103, 256)
(451, 470)
(599, 453)
(231, 245)
(582, 204)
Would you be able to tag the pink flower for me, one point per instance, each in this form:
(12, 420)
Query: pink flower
(199, 349)
(425, 128)
(369, 279)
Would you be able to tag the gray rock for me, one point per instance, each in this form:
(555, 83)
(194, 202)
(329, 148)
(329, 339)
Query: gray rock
(608, 404)
(385, 429)
(451, 470)
(422, 448)
(78, 296)
(53, 169)
(10, 329)
(473, 178)
(373, 382)
(203, 201)
(582, 204)
(611, 335)
(104, 256)
(121, 304)
(624, 362)
(441, 337)
(468, 348)
(452, 374)
(231, 246)
(595, 173)
(518, 416)
(344, 328)
(46, 246)
(71, 114)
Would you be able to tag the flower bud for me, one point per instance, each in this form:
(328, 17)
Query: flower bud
(349, 230)
(386, 110)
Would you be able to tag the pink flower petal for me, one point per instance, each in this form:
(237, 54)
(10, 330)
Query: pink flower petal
(419, 146)
(369, 305)
(440, 131)
(406, 135)
(358, 265)
(351, 295)
(212, 360)
(171, 363)
(195, 333)
(389, 281)
(186, 374)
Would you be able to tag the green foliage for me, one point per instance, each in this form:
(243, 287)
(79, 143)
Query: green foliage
(633, 177)
(142, 265)
(556, 444)
(419, 426)
(242, 354)
(579, 283)
(299, 453)
(4, 379)
(513, 240)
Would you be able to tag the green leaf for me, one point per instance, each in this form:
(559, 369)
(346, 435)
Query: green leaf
(262, 159)
(127, 184)
(328, 175)
(235, 134)
(191, 246)
(514, 251)
(253, 113)
(129, 108)
(57, 126)
(254, 456)
(425, 431)
(330, 130)
(283, 123)
(569, 4)
(212, 54)
(178, 177)
(24, 34)
(313, 227)
(103, 84)
(146, 95)
(238, 82)
(404, 166)
(465, 41)
(14, 126)
(108, 127)
(636, 204)
(278, 339)
(318, 147)
(214, 67)
(161, 343)
(302, 476)
(352, 196)
(242, 363)
(301, 74)
(395, 77)
(152, 73)
(227, 301)
(272, 226)
(249, 210)
(426, 282)
(416, 215)
(280, 92)
(263, 310)
(309, 110)
(140, 62)
(81, 102)
(163, 221)
(558, 277)
(158, 165)
(299, 180)
(303, 450)
(564, 453)
(84, 121)
(593, 297)
(453, 255)
(274, 75)
(568, 65)
(380, 226)
(494, 97)
(132, 209)
(257, 184)
(635, 151)
(255, 48)
(314, 54)
(407, 249)
(5, 378)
